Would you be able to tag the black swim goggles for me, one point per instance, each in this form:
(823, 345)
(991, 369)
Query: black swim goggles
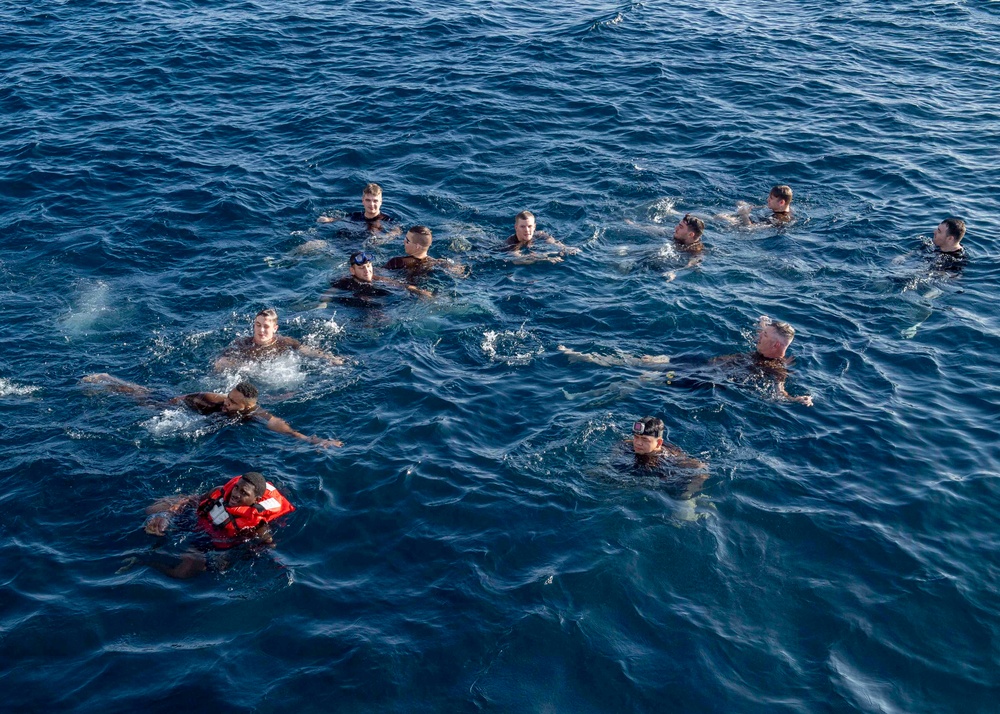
(361, 258)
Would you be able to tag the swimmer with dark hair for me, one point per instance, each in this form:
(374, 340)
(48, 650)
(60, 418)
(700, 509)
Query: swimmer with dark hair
(229, 516)
(362, 283)
(239, 405)
(779, 202)
(524, 240)
(416, 261)
(265, 343)
(949, 255)
(668, 462)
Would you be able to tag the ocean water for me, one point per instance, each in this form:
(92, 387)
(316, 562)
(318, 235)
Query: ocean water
(471, 547)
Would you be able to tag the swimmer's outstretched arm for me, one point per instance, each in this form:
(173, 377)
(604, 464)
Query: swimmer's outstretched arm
(399, 284)
(161, 510)
(283, 427)
(114, 384)
(562, 246)
(323, 218)
(320, 354)
(781, 393)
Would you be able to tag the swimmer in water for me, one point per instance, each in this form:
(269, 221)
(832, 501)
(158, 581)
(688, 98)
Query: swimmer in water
(654, 456)
(265, 343)
(239, 405)
(948, 254)
(524, 240)
(779, 202)
(375, 221)
(767, 362)
(236, 514)
(362, 283)
(416, 261)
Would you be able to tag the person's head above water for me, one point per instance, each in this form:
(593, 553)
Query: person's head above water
(418, 241)
(361, 266)
(780, 198)
(773, 338)
(248, 490)
(265, 326)
(647, 435)
(689, 230)
(524, 226)
(948, 235)
(241, 400)
(371, 198)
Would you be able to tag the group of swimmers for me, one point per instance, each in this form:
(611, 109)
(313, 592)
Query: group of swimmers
(240, 510)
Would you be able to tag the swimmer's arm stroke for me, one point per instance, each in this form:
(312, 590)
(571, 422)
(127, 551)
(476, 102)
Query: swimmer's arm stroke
(782, 393)
(162, 509)
(319, 354)
(399, 284)
(566, 250)
(283, 427)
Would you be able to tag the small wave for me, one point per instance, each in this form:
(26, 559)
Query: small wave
(178, 422)
(513, 347)
(12, 389)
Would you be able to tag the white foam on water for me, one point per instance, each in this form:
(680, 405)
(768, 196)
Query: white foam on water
(12, 389)
(511, 346)
(178, 422)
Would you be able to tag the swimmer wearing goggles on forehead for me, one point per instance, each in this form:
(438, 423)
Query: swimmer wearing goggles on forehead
(361, 282)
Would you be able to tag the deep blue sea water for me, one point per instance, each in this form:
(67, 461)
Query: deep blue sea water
(471, 548)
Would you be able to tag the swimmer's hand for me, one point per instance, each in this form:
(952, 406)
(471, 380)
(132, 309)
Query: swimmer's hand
(325, 219)
(571, 251)
(157, 525)
(419, 291)
(321, 305)
(806, 400)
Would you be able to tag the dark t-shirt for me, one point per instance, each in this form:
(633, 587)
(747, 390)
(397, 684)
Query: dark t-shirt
(244, 348)
(372, 223)
(953, 261)
(674, 469)
(513, 244)
(409, 263)
(364, 294)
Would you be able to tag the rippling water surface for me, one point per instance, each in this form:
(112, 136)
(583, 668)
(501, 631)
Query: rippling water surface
(471, 546)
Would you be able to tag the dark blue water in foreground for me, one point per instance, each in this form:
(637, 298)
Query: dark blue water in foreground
(471, 547)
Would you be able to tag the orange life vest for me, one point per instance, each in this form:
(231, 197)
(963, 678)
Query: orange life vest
(229, 524)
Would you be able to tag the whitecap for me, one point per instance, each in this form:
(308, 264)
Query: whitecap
(12, 389)
(511, 346)
(178, 422)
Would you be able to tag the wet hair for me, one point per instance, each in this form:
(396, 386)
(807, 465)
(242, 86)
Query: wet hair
(256, 480)
(956, 228)
(372, 189)
(651, 426)
(785, 330)
(269, 312)
(523, 216)
(694, 224)
(422, 231)
(247, 390)
(782, 192)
